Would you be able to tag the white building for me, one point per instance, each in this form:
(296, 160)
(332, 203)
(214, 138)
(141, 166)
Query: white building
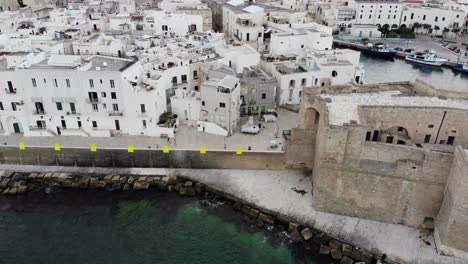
(316, 68)
(441, 17)
(297, 41)
(73, 95)
(220, 105)
(383, 13)
(9, 5)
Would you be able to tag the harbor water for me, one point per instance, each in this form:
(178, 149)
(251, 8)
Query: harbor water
(381, 70)
(146, 227)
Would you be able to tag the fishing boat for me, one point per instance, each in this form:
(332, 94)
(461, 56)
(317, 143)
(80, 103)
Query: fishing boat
(379, 50)
(427, 58)
(462, 67)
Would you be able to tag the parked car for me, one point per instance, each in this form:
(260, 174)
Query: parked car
(409, 50)
(398, 49)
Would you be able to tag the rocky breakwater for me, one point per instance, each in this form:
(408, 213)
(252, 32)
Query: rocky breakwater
(307, 240)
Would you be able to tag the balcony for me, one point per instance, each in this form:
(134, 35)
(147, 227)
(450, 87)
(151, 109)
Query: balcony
(10, 91)
(39, 112)
(92, 100)
(245, 23)
(115, 113)
(36, 128)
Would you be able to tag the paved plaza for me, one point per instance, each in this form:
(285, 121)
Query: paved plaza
(187, 137)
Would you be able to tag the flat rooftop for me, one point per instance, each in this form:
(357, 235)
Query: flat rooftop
(113, 64)
(344, 107)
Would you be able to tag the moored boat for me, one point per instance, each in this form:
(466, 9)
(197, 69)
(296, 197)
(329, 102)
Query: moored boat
(427, 58)
(462, 67)
(379, 50)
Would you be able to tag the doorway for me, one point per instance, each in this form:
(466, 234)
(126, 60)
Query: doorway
(17, 127)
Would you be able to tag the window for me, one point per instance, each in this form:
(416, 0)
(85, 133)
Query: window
(412, 15)
(13, 106)
(400, 129)
(303, 81)
(427, 139)
(376, 135)
(203, 103)
(104, 106)
(443, 19)
(95, 108)
(368, 135)
(1, 106)
(424, 17)
(59, 106)
(91, 83)
(164, 27)
(360, 16)
(144, 123)
(430, 126)
(103, 94)
(263, 95)
(34, 83)
(115, 107)
(55, 83)
(79, 124)
(334, 73)
(450, 140)
(72, 108)
(389, 139)
(11, 89)
(45, 81)
(222, 105)
(184, 78)
(436, 18)
(41, 123)
(68, 82)
(143, 108)
(292, 83)
(94, 124)
(113, 95)
(112, 84)
(195, 74)
(370, 16)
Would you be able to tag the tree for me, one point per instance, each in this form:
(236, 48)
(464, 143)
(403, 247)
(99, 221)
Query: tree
(416, 26)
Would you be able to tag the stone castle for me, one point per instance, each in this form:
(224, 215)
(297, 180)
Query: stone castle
(389, 152)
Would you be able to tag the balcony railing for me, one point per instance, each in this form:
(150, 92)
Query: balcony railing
(92, 100)
(115, 113)
(39, 112)
(37, 128)
(10, 91)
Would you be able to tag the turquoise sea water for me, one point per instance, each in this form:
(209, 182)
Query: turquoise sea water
(144, 228)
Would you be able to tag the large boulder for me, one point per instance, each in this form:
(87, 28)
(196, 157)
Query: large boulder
(346, 249)
(83, 182)
(346, 260)
(253, 214)
(267, 219)
(336, 253)
(324, 250)
(306, 233)
(140, 185)
(296, 236)
(334, 243)
(186, 191)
